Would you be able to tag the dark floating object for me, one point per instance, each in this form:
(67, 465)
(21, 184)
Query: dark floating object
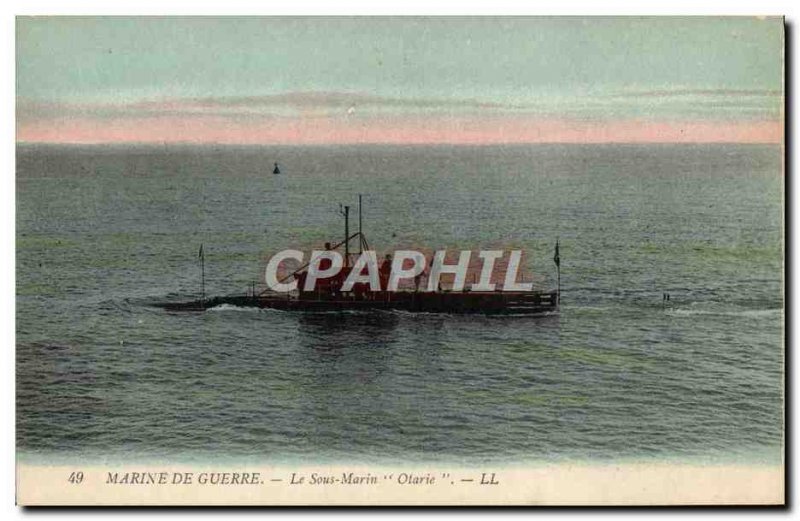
(276, 170)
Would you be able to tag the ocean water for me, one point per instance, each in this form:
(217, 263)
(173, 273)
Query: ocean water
(104, 232)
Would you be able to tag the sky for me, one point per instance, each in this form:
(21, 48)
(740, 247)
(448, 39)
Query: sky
(270, 80)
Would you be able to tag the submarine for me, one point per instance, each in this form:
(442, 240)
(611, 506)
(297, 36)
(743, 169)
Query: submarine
(337, 293)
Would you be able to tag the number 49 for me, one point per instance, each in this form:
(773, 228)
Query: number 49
(76, 477)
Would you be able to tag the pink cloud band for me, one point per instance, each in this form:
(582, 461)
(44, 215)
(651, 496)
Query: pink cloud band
(391, 129)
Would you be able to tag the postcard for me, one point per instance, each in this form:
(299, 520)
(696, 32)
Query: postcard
(400, 261)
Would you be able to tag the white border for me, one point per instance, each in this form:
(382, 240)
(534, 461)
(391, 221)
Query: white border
(297, 7)
(406, 7)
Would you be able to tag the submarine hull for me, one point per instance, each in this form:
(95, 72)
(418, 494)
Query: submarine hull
(527, 303)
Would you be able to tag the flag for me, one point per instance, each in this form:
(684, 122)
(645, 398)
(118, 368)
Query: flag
(200, 253)
(556, 256)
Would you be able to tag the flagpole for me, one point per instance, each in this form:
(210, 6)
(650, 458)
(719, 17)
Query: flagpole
(203, 276)
(557, 260)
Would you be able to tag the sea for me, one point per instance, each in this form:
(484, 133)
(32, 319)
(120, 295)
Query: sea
(620, 374)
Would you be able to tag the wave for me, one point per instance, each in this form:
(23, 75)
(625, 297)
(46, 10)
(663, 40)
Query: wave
(248, 309)
(593, 309)
(252, 309)
(750, 313)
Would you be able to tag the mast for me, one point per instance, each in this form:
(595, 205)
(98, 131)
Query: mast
(557, 261)
(360, 235)
(346, 236)
(202, 256)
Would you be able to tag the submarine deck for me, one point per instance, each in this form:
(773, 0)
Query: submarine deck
(427, 302)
